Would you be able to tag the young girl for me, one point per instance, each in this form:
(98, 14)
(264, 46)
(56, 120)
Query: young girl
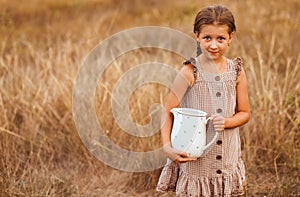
(218, 86)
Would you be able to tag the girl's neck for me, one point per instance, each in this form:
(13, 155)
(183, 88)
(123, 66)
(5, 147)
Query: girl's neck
(220, 64)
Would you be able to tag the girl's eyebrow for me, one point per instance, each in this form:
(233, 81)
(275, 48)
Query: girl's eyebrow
(213, 33)
(222, 34)
(206, 35)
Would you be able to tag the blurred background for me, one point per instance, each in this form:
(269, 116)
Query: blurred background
(42, 45)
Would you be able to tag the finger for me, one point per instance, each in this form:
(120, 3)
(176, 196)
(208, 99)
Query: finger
(184, 155)
(214, 116)
(218, 122)
(177, 155)
(183, 160)
(219, 119)
(219, 127)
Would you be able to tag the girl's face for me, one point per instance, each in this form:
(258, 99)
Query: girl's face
(214, 40)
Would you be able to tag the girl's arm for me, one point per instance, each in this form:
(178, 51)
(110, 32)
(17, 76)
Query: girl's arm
(243, 107)
(183, 80)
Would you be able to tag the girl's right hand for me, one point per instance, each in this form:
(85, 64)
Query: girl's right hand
(176, 155)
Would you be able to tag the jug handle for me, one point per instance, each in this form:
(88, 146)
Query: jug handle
(213, 140)
(209, 118)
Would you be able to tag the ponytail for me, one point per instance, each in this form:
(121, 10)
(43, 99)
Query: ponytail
(198, 49)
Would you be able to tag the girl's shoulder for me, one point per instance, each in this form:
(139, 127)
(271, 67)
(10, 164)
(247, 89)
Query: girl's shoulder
(192, 64)
(187, 71)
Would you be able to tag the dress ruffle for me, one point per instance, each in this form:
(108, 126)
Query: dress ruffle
(190, 185)
(192, 61)
(168, 178)
(238, 63)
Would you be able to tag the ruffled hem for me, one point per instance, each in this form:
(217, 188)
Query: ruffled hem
(231, 185)
(168, 177)
(191, 185)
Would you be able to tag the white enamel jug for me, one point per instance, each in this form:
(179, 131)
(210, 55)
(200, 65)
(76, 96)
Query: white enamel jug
(189, 131)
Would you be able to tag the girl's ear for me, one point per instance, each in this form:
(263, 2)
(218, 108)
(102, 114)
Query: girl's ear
(230, 37)
(197, 36)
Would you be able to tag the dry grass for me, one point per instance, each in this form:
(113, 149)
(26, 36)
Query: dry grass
(41, 48)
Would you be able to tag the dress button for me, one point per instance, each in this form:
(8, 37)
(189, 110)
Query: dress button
(217, 78)
(219, 171)
(219, 142)
(219, 110)
(218, 94)
(219, 157)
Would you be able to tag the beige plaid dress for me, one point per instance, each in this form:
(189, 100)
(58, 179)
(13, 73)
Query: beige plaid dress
(221, 171)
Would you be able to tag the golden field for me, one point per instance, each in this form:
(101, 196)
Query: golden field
(42, 46)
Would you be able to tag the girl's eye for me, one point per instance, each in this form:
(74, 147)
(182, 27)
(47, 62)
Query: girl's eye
(221, 38)
(206, 38)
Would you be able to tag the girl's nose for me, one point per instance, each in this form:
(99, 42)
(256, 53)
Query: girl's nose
(213, 44)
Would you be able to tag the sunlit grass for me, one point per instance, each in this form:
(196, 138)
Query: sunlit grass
(42, 47)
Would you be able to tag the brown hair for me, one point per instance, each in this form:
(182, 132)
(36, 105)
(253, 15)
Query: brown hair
(218, 15)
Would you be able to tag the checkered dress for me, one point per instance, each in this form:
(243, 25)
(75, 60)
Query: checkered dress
(221, 171)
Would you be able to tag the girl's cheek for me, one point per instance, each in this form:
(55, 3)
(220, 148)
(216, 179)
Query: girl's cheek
(206, 44)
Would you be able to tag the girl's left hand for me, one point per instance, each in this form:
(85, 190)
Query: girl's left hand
(218, 122)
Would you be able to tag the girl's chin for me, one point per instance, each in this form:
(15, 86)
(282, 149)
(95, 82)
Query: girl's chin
(212, 56)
